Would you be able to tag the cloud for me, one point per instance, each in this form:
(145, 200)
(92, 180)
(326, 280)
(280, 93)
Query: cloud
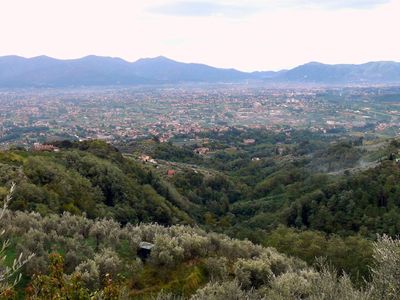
(204, 9)
(240, 9)
(338, 4)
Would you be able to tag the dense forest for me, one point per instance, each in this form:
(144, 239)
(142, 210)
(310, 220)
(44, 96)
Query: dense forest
(90, 178)
(256, 215)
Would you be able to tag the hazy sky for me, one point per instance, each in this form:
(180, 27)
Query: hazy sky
(244, 34)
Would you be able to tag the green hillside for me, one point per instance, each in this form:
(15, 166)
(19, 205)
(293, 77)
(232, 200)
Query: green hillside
(78, 258)
(320, 200)
(91, 178)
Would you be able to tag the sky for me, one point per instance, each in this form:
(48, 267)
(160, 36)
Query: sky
(248, 35)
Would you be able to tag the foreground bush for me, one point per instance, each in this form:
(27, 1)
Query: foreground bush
(98, 259)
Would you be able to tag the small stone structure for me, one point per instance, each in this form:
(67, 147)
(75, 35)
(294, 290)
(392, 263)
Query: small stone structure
(144, 250)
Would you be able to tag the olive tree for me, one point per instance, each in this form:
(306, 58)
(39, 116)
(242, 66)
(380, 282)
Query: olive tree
(9, 275)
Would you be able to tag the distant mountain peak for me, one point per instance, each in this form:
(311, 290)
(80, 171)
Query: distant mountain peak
(157, 59)
(313, 63)
(42, 57)
(161, 58)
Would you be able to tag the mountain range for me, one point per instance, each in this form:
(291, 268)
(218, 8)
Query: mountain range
(44, 71)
